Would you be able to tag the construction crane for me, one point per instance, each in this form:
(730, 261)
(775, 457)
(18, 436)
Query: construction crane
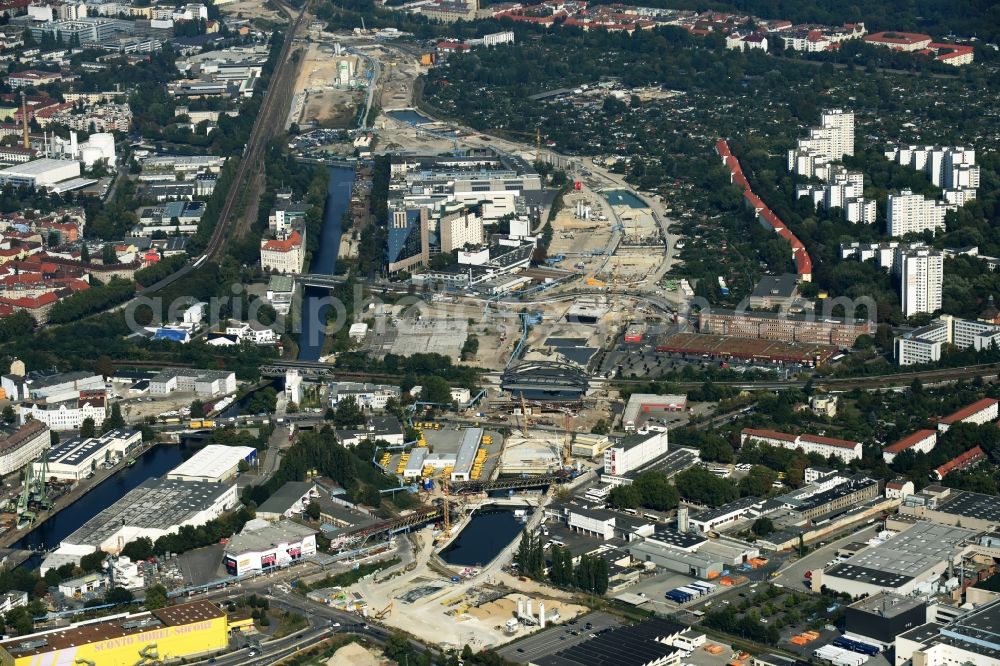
(445, 510)
(524, 415)
(537, 134)
(384, 612)
(567, 438)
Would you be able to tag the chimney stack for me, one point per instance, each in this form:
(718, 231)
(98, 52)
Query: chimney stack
(24, 120)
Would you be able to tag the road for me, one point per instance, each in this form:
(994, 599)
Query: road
(792, 575)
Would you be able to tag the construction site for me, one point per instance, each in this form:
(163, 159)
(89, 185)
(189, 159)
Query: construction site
(331, 85)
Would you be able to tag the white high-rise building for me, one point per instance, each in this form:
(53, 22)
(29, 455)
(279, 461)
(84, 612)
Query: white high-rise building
(922, 272)
(844, 190)
(948, 167)
(833, 139)
(907, 212)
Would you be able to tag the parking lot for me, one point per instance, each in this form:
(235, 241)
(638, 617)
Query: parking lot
(558, 637)
(793, 576)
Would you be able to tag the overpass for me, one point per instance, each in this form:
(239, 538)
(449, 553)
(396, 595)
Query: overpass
(395, 525)
(517, 483)
(319, 280)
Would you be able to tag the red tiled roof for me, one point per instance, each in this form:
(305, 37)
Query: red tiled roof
(829, 441)
(968, 411)
(769, 434)
(967, 459)
(894, 37)
(910, 441)
(287, 245)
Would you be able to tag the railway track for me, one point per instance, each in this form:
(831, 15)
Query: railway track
(249, 173)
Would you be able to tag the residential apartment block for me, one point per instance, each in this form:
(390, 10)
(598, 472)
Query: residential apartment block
(844, 190)
(922, 275)
(922, 441)
(830, 141)
(924, 345)
(952, 168)
(20, 445)
(825, 446)
(914, 213)
(978, 413)
(284, 255)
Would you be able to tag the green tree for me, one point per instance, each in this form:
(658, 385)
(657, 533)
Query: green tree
(156, 597)
(197, 409)
(8, 415)
(436, 390)
(348, 414)
(87, 428)
(114, 419)
(762, 526)
(119, 595)
(313, 510)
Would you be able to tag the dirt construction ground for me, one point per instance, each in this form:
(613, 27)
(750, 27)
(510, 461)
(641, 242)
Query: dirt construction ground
(326, 104)
(253, 9)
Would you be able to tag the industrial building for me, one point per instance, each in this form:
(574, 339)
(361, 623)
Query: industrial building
(948, 506)
(154, 508)
(20, 445)
(883, 616)
(648, 643)
(181, 631)
(971, 638)
(262, 545)
(56, 175)
(534, 455)
(288, 500)
(77, 457)
(633, 452)
(215, 462)
(905, 563)
(204, 383)
(640, 405)
(466, 455)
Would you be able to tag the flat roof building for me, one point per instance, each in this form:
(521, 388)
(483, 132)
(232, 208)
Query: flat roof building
(633, 452)
(466, 454)
(645, 403)
(948, 506)
(262, 545)
(971, 638)
(154, 508)
(20, 445)
(75, 458)
(215, 462)
(883, 616)
(903, 564)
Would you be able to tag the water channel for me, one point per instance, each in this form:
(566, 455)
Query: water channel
(488, 532)
(324, 261)
(410, 116)
(155, 462)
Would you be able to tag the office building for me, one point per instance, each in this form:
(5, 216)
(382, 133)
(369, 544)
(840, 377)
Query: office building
(825, 446)
(261, 546)
(408, 244)
(457, 230)
(370, 396)
(908, 213)
(66, 414)
(285, 254)
(922, 279)
(633, 452)
(22, 444)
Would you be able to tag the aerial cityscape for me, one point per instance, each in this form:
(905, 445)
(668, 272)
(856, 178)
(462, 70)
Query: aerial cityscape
(555, 333)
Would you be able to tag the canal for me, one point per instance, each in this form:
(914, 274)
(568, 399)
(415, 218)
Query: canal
(488, 532)
(324, 261)
(155, 462)
(410, 116)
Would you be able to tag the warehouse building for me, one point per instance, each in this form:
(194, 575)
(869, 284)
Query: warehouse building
(641, 405)
(261, 546)
(41, 173)
(288, 500)
(154, 508)
(905, 563)
(77, 457)
(215, 462)
(883, 616)
(181, 631)
(466, 454)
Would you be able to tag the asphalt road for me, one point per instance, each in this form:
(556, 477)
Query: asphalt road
(793, 575)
